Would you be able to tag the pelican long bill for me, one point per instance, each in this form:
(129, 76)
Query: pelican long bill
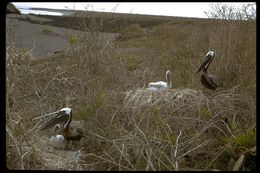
(207, 60)
(60, 117)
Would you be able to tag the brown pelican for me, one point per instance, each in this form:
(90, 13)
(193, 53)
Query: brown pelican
(57, 140)
(70, 130)
(160, 85)
(209, 81)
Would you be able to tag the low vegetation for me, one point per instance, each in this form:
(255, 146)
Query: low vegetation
(127, 127)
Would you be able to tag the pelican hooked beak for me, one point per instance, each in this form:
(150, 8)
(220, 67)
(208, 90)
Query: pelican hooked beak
(61, 116)
(209, 57)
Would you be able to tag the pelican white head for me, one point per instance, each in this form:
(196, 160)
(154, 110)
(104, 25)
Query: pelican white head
(209, 57)
(67, 110)
(207, 60)
(211, 53)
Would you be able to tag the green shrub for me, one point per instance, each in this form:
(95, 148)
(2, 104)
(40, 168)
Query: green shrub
(73, 39)
(47, 30)
(133, 31)
(246, 140)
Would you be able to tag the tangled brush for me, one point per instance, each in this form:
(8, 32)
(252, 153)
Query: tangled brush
(202, 122)
(144, 97)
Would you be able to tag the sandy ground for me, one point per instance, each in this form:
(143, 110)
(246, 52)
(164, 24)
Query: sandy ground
(44, 38)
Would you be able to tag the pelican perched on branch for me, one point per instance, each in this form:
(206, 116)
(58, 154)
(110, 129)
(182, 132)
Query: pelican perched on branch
(57, 140)
(160, 85)
(71, 130)
(209, 81)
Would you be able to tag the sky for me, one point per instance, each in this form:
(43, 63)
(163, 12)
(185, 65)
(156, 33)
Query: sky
(185, 9)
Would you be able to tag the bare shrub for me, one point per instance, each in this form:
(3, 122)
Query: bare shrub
(233, 41)
(230, 12)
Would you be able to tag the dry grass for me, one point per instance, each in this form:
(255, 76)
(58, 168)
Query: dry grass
(142, 98)
(185, 128)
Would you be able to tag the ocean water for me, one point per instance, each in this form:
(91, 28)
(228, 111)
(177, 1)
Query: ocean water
(42, 12)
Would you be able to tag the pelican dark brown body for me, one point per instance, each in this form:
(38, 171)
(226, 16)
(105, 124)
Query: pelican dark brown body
(71, 130)
(209, 81)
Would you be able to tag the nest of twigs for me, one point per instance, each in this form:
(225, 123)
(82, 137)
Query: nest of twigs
(144, 97)
(188, 118)
(29, 148)
(192, 103)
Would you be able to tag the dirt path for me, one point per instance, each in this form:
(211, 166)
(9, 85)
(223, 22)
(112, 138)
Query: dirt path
(45, 38)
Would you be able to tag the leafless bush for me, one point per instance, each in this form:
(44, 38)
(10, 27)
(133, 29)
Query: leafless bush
(230, 12)
(229, 42)
(145, 137)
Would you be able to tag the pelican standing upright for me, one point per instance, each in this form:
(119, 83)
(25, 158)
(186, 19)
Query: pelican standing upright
(70, 129)
(209, 81)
